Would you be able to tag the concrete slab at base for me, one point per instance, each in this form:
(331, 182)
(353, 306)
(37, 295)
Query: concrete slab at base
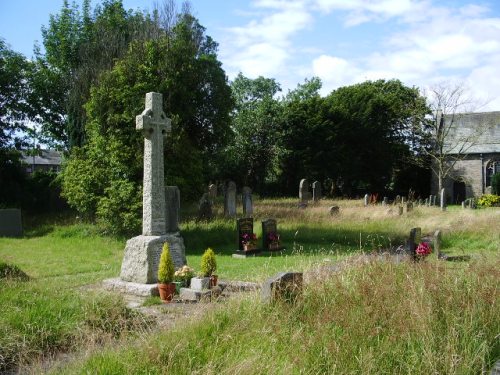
(142, 255)
(137, 289)
(192, 295)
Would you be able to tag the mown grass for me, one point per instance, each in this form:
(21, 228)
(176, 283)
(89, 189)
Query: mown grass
(374, 318)
(56, 309)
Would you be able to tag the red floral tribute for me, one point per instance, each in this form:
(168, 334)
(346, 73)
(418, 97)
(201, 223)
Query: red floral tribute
(423, 249)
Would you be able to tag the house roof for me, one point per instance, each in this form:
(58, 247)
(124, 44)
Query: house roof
(473, 133)
(45, 157)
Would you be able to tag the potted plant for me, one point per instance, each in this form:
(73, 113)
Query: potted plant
(183, 276)
(249, 241)
(166, 275)
(209, 266)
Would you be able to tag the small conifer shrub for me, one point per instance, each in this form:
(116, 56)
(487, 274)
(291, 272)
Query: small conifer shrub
(166, 267)
(208, 263)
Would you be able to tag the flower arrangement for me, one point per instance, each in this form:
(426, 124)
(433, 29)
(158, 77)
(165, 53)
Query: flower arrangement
(248, 239)
(273, 237)
(423, 249)
(184, 274)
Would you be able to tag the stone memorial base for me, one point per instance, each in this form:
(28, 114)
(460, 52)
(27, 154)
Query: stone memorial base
(258, 253)
(142, 255)
(136, 289)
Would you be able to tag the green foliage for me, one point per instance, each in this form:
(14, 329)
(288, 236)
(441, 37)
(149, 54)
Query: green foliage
(11, 271)
(489, 200)
(495, 184)
(166, 266)
(208, 263)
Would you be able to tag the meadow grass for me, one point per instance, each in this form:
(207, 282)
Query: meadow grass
(370, 318)
(56, 309)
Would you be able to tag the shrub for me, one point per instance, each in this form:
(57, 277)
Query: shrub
(489, 200)
(208, 263)
(495, 184)
(166, 266)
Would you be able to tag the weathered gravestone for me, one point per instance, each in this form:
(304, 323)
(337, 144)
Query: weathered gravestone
(11, 224)
(270, 235)
(285, 286)
(142, 253)
(434, 200)
(205, 208)
(173, 208)
(413, 241)
(212, 192)
(334, 210)
(443, 199)
(316, 191)
(304, 194)
(230, 200)
(385, 201)
(367, 200)
(246, 197)
(397, 201)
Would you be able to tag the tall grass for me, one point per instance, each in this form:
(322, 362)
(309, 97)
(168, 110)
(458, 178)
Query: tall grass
(370, 318)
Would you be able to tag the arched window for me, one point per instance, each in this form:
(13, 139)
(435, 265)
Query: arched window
(492, 167)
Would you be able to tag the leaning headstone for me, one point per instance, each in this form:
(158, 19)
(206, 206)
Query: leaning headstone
(367, 200)
(443, 199)
(212, 192)
(230, 200)
(173, 208)
(304, 194)
(270, 235)
(316, 191)
(247, 201)
(334, 210)
(142, 253)
(11, 224)
(285, 286)
(205, 208)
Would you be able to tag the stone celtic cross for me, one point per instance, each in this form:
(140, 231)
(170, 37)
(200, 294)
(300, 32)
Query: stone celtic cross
(154, 124)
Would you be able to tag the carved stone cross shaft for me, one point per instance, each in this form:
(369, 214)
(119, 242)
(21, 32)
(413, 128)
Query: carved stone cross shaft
(154, 125)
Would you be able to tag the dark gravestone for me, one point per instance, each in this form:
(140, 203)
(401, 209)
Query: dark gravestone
(316, 191)
(334, 210)
(409, 206)
(173, 208)
(11, 223)
(270, 236)
(285, 286)
(244, 226)
(413, 241)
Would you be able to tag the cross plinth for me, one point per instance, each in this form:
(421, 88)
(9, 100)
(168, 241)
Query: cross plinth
(155, 125)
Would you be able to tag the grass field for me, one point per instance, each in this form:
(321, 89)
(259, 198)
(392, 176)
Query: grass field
(57, 310)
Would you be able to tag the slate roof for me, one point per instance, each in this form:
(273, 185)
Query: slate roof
(45, 157)
(483, 128)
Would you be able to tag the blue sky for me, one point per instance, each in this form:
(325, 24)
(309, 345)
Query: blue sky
(420, 42)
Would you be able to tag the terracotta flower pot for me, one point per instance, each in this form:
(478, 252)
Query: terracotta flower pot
(167, 291)
(213, 280)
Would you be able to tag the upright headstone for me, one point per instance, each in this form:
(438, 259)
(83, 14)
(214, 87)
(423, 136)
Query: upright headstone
(367, 200)
(385, 202)
(205, 208)
(11, 224)
(409, 206)
(463, 205)
(230, 200)
(437, 243)
(270, 235)
(247, 201)
(434, 200)
(244, 226)
(316, 191)
(443, 199)
(413, 241)
(397, 201)
(400, 210)
(212, 192)
(403, 200)
(142, 253)
(173, 208)
(304, 191)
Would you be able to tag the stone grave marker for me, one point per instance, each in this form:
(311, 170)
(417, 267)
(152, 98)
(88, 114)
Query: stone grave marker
(212, 192)
(205, 208)
(385, 202)
(403, 200)
(247, 201)
(437, 243)
(173, 208)
(443, 199)
(245, 226)
(230, 200)
(142, 253)
(285, 286)
(397, 201)
(400, 210)
(316, 191)
(11, 224)
(334, 210)
(409, 207)
(367, 200)
(463, 205)
(270, 235)
(413, 241)
(304, 194)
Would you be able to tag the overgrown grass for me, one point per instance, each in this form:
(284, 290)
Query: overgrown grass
(64, 259)
(375, 318)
